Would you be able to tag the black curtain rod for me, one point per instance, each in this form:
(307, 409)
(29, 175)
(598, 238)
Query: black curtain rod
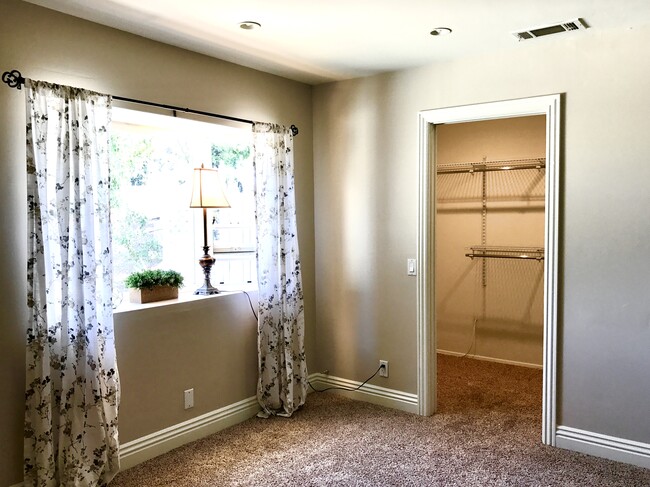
(16, 80)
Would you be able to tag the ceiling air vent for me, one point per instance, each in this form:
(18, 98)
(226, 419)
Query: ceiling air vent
(567, 26)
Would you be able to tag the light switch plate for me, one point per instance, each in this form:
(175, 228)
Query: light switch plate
(411, 267)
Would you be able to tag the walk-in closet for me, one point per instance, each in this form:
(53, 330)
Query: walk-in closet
(490, 188)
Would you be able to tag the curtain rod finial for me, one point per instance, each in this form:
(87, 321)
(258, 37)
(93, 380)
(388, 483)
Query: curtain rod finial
(294, 130)
(13, 79)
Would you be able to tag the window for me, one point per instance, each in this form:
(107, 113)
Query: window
(153, 157)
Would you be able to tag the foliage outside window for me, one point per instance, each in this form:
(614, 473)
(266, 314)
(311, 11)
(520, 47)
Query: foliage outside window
(152, 225)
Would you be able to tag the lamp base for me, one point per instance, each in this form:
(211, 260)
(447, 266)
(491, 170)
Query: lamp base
(206, 264)
(206, 290)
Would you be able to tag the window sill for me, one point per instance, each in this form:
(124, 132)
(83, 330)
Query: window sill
(184, 297)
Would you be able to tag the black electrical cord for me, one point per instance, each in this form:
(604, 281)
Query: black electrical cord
(346, 388)
(250, 302)
(473, 340)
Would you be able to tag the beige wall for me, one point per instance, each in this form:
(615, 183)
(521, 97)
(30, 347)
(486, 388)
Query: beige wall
(494, 307)
(366, 203)
(210, 346)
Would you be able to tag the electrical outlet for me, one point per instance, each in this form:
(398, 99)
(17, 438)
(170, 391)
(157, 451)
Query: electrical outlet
(189, 398)
(383, 368)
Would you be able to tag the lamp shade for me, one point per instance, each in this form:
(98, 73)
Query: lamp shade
(206, 190)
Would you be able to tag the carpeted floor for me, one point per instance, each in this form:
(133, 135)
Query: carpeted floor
(487, 433)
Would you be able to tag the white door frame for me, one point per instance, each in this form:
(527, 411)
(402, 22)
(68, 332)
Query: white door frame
(548, 105)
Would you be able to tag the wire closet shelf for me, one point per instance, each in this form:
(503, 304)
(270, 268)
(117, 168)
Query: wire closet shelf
(493, 252)
(477, 167)
(485, 251)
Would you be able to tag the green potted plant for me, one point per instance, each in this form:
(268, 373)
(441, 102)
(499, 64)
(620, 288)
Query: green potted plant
(153, 285)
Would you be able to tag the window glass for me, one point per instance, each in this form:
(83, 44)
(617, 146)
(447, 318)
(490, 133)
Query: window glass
(153, 157)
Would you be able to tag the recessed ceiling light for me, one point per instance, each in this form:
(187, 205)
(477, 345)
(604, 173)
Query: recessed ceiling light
(249, 25)
(441, 31)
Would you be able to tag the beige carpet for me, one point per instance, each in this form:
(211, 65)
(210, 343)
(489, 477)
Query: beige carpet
(487, 432)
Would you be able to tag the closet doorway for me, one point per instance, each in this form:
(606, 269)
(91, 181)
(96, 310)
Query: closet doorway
(490, 188)
(493, 216)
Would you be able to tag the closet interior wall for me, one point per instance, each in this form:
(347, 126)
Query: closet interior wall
(491, 308)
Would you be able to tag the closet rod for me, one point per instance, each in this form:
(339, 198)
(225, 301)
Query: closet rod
(16, 80)
(470, 167)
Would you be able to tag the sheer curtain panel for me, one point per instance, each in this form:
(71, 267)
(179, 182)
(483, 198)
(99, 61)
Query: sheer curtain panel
(72, 390)
(282, 384)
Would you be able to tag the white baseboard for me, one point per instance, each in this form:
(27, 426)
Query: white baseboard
(150, 446)
(382, 396)
(491, 359)
(155, 444)
(610, 447)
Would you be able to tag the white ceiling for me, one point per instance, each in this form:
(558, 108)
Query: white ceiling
(315, 41)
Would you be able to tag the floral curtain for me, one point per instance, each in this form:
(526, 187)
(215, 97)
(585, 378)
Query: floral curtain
(282, 384)
(72, 391)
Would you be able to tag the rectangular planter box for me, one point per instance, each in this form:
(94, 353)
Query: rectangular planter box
(160, 293)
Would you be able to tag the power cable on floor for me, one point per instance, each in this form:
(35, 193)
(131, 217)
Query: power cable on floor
(250, 302)
(346, 388)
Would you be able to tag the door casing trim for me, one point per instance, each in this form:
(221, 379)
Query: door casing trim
(548, 105)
